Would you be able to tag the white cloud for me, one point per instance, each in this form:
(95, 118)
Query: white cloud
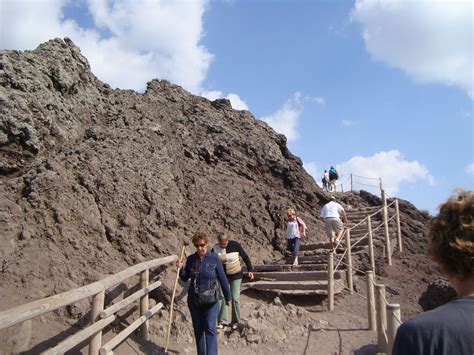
(320, 100)
(212, 95)
(285, 119)
(470, 169)
(430, 40)
(145, 39)
(390, 166)
(464, 114)
(348, 123)
(317, 99)
(235, 100)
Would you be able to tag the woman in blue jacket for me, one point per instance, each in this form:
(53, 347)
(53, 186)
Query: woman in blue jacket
(205, 269)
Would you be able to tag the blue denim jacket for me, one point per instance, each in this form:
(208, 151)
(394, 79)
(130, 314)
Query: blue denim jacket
(206, 271)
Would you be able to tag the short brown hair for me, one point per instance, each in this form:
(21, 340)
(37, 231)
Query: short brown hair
(200, 235)
(452, 235)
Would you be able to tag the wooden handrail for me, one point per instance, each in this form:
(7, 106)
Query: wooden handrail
(79, 337)
(114, 342)
(129, 300)
(28, 311)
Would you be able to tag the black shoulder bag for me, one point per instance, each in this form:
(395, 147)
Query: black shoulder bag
(206, 298)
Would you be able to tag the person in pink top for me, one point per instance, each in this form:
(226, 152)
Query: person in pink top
(295, 231)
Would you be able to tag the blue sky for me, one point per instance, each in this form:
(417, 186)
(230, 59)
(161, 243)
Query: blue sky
(376, 88)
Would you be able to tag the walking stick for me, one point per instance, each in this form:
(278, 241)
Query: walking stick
(172, 301)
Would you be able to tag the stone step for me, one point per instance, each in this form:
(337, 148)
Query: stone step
(287, 285)
(295, 275)
(286, 267)
(285, 292)
(315, 246)
(362, 215)
(363, 225)
(309, 259)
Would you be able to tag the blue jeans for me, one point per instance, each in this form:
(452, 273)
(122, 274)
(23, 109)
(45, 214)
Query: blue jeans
(293, 245)
(204, 324)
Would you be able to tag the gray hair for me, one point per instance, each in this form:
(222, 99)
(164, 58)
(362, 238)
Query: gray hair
(222, 237)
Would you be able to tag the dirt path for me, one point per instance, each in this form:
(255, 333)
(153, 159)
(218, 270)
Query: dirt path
(296, 326)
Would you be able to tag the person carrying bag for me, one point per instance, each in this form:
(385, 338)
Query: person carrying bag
(207, 278)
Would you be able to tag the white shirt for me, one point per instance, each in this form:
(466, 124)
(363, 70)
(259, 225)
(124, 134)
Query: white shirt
(331, 210)
(292, 230)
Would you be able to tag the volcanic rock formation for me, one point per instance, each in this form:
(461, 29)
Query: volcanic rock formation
(93, 179)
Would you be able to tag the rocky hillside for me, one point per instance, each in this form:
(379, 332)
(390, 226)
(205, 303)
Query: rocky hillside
(93, 179)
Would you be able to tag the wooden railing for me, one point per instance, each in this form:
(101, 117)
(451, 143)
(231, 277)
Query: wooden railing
(382, 316)
(100, 317)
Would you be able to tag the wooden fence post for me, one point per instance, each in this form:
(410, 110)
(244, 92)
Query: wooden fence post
(330, 272)
(399, 231)
(385, 223)
(371, 244)
(349, 262)
(381, 319)
(144, 277)
(393, 316)
(371, 301)
(95, 342)
(352, 185)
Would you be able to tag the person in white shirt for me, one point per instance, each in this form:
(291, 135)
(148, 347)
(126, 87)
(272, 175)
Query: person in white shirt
(325, 180)
(332, 213)
(295, 231)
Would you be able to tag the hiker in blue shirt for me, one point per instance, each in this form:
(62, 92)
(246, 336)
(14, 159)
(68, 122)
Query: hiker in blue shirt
(333, 176)
(206, 273)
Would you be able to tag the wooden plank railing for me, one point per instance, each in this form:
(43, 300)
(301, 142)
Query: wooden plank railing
(378, 308)
(100, 318)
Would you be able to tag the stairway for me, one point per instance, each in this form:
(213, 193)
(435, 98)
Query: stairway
(310, 276)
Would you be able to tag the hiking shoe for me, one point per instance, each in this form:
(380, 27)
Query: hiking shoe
(220, 326)
(235, 326)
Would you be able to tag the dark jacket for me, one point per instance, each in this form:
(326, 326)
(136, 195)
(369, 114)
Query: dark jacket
(232, 247)
(207, 272)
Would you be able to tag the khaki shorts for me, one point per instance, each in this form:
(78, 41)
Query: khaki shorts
(333, 225)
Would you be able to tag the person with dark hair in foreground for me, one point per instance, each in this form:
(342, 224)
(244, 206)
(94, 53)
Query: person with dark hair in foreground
(448, 329)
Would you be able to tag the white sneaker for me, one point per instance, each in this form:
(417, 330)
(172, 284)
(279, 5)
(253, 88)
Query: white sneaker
(295, 263)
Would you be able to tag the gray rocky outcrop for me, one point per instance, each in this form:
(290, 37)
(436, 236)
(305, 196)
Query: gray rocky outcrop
(437, 293)
(94, 179)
